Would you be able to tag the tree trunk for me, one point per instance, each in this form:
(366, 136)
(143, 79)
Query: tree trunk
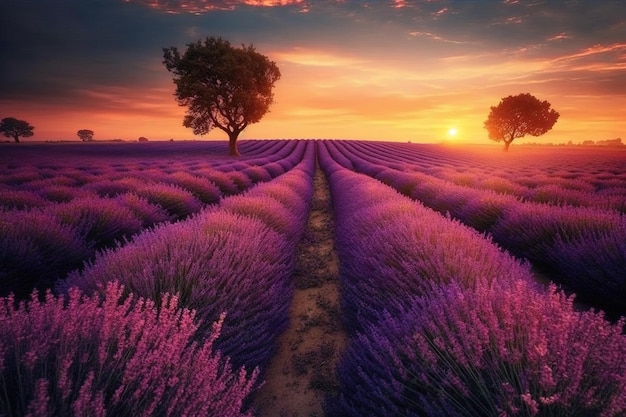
(17, 138)
(506, 145)
(232, 144)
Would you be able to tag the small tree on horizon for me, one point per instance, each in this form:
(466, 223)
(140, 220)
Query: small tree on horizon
(518, 116)
(14, 128)
(222, 86)
(85, 135)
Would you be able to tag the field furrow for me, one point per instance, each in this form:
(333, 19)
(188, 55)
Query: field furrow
(302, 371)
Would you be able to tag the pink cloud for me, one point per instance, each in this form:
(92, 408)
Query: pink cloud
(398, 4)
(204, 6)
(559, 36)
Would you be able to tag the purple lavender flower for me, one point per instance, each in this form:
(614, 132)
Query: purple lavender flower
(491, 350)
(113, 355)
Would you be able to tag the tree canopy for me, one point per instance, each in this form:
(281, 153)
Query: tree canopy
(85, 135)
(518, 116)
(222, 86)
(14, 128)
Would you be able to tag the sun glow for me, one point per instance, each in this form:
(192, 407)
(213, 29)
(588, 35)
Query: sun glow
(452, 131)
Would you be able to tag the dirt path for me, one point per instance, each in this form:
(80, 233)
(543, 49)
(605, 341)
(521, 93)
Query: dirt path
(302, 371)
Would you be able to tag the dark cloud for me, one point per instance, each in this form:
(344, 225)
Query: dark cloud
(59, 47)
(54, 49)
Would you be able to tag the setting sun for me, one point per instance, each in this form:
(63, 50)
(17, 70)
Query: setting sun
(452, 131)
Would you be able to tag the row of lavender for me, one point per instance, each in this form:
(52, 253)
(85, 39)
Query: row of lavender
(443, 323)
(123, 346)
(97, 207)
(577, 177)
(86, 175)
(582, 248)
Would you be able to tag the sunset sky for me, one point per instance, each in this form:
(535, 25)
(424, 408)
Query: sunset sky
(388, 70)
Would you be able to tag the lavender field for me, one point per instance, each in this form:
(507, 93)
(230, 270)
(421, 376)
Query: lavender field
(158, 278)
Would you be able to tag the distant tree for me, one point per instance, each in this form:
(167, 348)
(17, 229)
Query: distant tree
(222, 86)
(85, 135)
(142, 139)
(518, 116)
(14, 128)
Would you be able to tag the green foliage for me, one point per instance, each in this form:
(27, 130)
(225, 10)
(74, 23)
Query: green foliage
(518, 116)
(85, 135)
(14, 128)
(222, 86)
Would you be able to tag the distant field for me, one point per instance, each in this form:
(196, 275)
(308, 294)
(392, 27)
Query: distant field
(456, 264)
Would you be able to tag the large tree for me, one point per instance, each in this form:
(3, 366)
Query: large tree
(85, 135)
(518, 116)
(222, 86)
(14, 128)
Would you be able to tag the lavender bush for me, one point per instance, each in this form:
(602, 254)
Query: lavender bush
(113, 355)
(220, 260)
(21, 175)
(58, 193)
(557, 194)
(528, 230)
(581, 247)
(492, 350)
(392, 249)
(256, 174)
(241, 180)
(216, 261)
(12, 199)
(108, 187)
(149, 213)
(223, 181)
(98, 220)
(178, 202)
(203, 190)
(599, 278)
(274, 169)
(265, 209)
(502, 185)
(32, 255)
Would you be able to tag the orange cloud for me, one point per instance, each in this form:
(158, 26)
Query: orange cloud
(398, 4)
(614, 58)
(272, 3)
(204, 6)
(316, 58)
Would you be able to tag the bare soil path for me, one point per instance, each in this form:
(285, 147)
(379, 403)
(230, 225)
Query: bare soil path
(303, 370)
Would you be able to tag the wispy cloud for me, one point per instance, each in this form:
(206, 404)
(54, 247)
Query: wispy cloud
(433, 36)
(597, 57)
(559, 37)
(316, 58)
(204, 6)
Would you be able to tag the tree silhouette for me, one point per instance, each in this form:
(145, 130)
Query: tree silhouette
(518, 116)
(85, 135)
(14, 128)
(222, 86)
